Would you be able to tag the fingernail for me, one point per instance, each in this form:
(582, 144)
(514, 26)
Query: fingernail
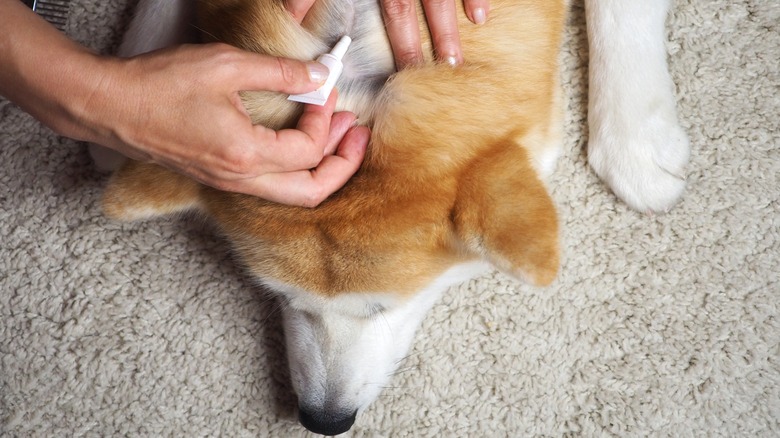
(452, 61)
(317, 72)
(479, 16)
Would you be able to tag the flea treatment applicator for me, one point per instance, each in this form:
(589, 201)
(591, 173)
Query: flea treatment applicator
(333, 61)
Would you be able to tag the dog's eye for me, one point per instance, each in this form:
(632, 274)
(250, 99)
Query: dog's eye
(374, 309)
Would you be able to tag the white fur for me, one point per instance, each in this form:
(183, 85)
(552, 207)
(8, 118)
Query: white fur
(340, 355)
(636, 144)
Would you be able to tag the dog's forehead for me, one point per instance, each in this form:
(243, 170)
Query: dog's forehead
(358, 304)
(367, 304)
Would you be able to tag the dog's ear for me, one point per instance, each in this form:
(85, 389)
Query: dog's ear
(504, 214)
(143, 190)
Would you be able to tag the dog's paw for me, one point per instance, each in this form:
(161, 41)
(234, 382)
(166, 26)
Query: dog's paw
(636, 144)
(641, 156)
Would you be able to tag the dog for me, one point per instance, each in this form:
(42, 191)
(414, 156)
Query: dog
(452, 182)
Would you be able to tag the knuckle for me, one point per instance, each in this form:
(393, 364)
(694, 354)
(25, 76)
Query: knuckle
(220, 48)
(223, 53)
(297, 8)
(408, 56)
(447, 35)
(225, 59)
(439, 4)
(398, 9)
(313, 160)
(314, 198)
(288, 71)
(308, 158)
(237, 160)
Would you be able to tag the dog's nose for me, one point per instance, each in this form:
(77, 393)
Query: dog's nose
(325, 423)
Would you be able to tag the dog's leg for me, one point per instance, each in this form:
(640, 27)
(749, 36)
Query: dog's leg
(636, 144)
(144, 190)
(156, 24)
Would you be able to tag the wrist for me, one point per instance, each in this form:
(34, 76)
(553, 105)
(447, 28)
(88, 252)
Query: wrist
(77, 106)
(91, 105)
(47, 74)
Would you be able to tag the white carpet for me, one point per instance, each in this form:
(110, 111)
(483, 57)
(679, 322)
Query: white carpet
(664, 326)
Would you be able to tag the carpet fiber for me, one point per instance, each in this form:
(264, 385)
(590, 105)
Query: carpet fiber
(664, 325)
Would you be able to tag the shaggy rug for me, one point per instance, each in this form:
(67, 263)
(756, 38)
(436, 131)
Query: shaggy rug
(664, 326)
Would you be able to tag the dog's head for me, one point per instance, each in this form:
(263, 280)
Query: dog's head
(356, 276)
(342, 351)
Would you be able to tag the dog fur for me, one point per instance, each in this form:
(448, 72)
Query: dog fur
(636, 144)
(452, 181)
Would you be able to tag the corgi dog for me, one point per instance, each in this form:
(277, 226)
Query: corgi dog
(452, 182)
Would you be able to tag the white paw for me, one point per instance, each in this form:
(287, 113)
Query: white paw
(642, 155)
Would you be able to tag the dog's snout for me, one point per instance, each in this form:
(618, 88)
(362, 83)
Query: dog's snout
(325, 423)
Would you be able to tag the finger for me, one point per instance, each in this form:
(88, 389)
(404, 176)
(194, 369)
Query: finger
(403, 30)
(298, 8)
(335, 170)
(301, 148)
(477, 10)
(261, 72)
(339, 125)
(315, 116)
(310, 188)
(443, 23)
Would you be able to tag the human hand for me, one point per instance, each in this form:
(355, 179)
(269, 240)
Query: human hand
(216, 143)
(181, 108)
(403, 28)
(404, 31)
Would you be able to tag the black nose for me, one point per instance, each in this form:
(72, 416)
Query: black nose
(325, 423)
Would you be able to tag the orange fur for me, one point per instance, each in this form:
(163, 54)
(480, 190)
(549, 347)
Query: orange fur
(451, 174)
(140, 190)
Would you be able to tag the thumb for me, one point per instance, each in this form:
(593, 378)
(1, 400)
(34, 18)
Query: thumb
(268, 73)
